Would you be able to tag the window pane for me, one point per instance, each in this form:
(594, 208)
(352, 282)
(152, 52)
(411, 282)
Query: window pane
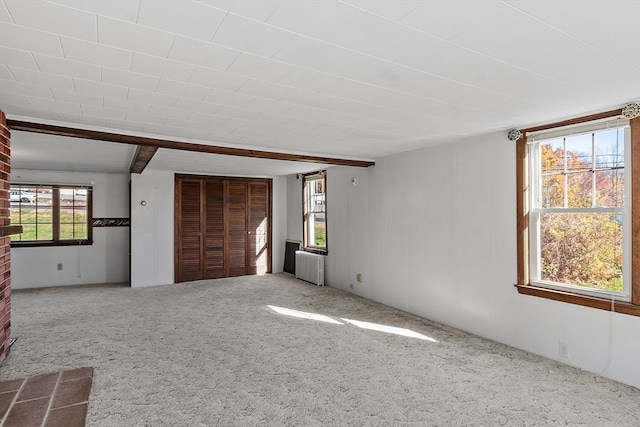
(28, 232)
(583, 249)
(319, 230)
(579, 152)
(551, 156)
(552, 174)
(45, 232)
(80, 231)
(580, 190)
(66, 231)
(610, 188)
(610, 168)
(28, 215)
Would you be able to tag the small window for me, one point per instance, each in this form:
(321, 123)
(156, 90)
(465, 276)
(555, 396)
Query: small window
(315, 212)
(51, 215)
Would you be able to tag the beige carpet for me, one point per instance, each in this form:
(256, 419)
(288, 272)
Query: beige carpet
(271, 350)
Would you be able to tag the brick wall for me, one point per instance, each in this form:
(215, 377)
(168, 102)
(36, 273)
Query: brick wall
(5, 251)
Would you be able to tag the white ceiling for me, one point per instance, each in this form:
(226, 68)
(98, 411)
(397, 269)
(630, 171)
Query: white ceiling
(352, 79)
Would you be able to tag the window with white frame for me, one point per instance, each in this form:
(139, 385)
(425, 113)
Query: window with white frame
(579, 216)
(315, 212)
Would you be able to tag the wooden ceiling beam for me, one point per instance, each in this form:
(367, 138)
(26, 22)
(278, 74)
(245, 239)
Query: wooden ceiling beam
(141, 158)
(179, 145)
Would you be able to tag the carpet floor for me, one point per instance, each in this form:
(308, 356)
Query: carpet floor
(272, 350)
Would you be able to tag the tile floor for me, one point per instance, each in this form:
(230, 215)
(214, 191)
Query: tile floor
(49, 400)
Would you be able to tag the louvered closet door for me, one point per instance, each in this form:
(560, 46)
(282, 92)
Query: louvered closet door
(258, 227)
(223, 227)
(236, 230)
(214, 229)
(190, 236)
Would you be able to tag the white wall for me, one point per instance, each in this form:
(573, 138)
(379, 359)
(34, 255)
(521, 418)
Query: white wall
(433, 232)
(106, 261)
(152, 227)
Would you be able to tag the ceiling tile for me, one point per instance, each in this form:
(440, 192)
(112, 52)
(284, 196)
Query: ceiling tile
(442, 19)
(168, 112)
(129, 79)
(17, 58)
(41, 78)
(196, 106)
(67, 67)
(57, 106)
(95, 53)
(152, 98)
(391, 9)
(317, 19)
(4, 13)
(199, 117)
(124, 125)
(259, 10)
(187, 18)
(17, 37)
(264, 89)
(229, 98)
(304, 78)
(202, 53)
(76, 97)
(126, 10)
(5, 74)
(14, 100)
(216, 79)
(53, 18)
(161, 67)
(140, 117)
(7, 86)
(251, 36)
(103, 113)
(343, 105)
(185, 90)
(309, 53)
(126, 35)
(100, 89)
(125, 105)
(305, 97)
(259, 68)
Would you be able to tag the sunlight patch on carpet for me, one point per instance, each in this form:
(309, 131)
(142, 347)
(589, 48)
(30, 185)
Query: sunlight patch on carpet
(389, 329)
(303, 314)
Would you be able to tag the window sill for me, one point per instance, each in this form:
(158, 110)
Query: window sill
(35, 244)
(316, 251)
(586, 301)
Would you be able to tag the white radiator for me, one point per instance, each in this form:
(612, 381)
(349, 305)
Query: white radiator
(310, 267)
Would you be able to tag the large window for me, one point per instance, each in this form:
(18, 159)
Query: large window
(315, 212)
(51, 214)
(575, 220)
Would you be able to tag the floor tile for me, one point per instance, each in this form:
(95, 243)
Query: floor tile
(72, 392)
(74, 374)
(69, 416)
(5, 402)
(39, 386)
(11, 385)
(27, 414)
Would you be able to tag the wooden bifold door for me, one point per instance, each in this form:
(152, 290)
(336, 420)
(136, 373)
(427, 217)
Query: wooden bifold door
(223, 227)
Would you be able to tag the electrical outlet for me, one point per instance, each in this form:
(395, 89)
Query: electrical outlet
(59, 266)
(563, 349)
(359, 277)
(351, 285)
